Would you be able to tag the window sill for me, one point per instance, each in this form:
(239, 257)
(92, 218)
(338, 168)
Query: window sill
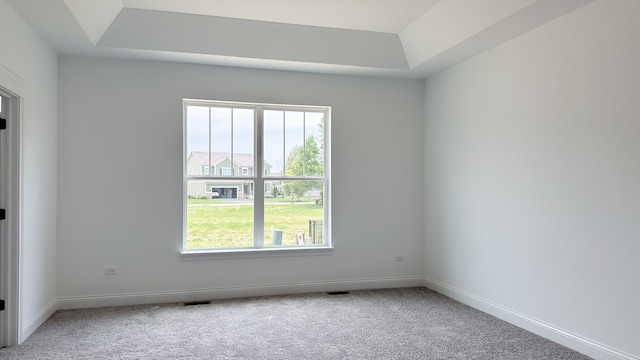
(254, 253)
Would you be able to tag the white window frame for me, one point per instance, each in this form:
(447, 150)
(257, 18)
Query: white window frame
(245, 171)
(259, 177)
(226, 171)
(207, 170)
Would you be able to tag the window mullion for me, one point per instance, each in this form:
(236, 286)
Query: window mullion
(233, 173)
(209, 135)
(304, 144)
(258, 192)
(284, 143)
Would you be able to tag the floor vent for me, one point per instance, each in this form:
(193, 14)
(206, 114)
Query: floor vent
(192, 303)
(338, 293)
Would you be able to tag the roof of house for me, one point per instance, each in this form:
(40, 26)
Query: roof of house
(239, 159)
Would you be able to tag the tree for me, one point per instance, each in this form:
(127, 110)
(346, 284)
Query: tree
(321, 127)
(303, 161)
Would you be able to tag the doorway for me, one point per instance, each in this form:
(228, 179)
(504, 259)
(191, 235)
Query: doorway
(9, 221)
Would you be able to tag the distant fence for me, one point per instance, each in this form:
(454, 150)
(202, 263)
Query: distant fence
(316, 229)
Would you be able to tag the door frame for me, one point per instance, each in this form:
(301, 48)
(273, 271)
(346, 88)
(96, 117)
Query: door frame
(11, 197)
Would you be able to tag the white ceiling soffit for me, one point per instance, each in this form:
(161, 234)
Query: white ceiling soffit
(94, 16)
(455, 30)
(413, 38)
(390, 16)
(452, 22)
(213, 35)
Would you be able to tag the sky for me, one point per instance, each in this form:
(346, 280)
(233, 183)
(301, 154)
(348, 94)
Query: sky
(235, 127)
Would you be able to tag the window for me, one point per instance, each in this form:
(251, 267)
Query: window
(206, 170)
(283, 203)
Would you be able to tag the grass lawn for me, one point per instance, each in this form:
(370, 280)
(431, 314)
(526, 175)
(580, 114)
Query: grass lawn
(266, 200)
(206, 201)
(232, 225)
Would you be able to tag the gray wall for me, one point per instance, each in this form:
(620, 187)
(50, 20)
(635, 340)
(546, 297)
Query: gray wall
(121, 132)
(28, 67)
(533, 176)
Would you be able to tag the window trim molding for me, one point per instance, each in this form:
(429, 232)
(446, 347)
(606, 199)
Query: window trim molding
(206, 254)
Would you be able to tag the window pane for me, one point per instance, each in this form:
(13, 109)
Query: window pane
(221, 141)
(219, 214)
(273, 142)
(314, 144)
(197, 140)
(243, 153)
(294, 213)
(293, 141)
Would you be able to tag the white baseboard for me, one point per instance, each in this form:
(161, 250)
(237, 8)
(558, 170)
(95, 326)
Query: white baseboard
(576, 342)
(159, 297)
(38, 319)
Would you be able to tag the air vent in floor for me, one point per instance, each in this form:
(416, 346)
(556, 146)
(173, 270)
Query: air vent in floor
(192, 303)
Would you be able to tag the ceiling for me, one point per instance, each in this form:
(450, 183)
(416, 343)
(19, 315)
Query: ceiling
(389, 16)
(402, 38)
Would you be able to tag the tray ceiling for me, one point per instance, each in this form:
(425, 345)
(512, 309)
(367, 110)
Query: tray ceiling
(404, 38)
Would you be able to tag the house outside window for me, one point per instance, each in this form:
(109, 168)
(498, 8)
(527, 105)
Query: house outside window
(258, 148)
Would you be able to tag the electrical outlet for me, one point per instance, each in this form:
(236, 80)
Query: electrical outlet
(110, 271)
(399, 257)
